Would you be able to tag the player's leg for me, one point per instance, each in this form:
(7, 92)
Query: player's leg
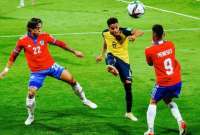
(151, 115)
(112, 70)
(67, 77)
(126, 78)
(60, 73)
(177, 115)
(30, 104)
(128, 98)
(156, 96)
(174, 92)
(110, 62)
(35, 82)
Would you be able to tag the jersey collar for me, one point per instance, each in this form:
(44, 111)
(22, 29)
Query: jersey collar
(158, 42)
(34, 38)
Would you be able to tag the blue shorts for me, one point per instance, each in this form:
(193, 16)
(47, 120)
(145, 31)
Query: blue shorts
(37, 78)
(122, 67)
(161, 92)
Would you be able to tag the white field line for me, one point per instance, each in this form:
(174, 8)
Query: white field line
(167, 11)
(97, 33)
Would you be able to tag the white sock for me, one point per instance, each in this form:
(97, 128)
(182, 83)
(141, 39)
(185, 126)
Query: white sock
(175, 111)
(30, 103)
(151, 114)
(79, 91)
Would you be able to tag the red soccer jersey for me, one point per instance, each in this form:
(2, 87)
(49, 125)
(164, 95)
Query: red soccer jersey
(36, 51)
(167, 68)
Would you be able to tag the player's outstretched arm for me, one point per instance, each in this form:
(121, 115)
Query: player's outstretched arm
(135, 33)
(64, 46)
(13, 57)
(100, 57)
(6, 69)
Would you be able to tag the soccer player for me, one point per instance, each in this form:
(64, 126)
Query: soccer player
(115, 44)
(35, 46)
(161, 55)
(21, 3)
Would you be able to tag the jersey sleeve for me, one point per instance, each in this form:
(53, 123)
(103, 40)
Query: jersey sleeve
(126, 31)
(148, 57)
(50, 39)
(16, 51)
(106, 30)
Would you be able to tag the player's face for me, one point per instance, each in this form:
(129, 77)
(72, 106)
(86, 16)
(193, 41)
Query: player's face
(114, 29)
(36, 31)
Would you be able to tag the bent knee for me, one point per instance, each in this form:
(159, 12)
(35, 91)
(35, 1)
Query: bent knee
(32, 92)
(127, 81)
(153, 102)
(72, 82)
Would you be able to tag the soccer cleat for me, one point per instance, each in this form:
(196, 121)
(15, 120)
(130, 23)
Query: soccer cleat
(149, 132)
(29, 120)
(131, 116)
(182, 128)
(112, 70)
(90, 104)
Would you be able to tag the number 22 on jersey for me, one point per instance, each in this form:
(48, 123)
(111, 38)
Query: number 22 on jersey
(36, 50)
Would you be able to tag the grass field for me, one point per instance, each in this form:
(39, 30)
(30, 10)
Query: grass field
(59, 111)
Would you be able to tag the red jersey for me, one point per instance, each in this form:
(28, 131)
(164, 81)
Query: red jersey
(36, 51)
(167, 68)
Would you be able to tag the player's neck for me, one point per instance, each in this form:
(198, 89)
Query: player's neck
(32, 35)
(158, 42)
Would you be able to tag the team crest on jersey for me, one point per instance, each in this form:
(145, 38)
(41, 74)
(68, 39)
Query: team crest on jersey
(41, 42)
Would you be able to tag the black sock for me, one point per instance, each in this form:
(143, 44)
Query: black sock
(128, 97)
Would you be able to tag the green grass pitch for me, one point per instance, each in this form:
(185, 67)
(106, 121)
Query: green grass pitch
(59, 111)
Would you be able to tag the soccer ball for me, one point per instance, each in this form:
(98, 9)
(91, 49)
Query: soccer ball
(135, 9)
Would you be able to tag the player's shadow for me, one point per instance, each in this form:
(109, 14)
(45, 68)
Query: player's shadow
(170, 130)
(122, 130)
(72, 112)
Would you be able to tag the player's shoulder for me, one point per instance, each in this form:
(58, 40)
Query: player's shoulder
(150, 47)
(126, 31)
(23, 37)
(168, 42)
(104, 32)
(44, 34)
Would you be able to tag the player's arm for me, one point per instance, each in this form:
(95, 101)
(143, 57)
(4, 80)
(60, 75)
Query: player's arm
(11, 60)
(134, 34)
(148, 58)
(103, 51)
(64, 46)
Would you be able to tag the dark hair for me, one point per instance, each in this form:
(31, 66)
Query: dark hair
(112, 20)
(158, 30)
(33, 23)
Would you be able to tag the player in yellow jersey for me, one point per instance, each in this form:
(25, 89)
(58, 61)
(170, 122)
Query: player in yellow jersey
(115, 47)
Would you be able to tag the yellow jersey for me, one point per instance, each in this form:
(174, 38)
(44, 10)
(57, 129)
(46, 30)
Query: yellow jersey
(118, 46)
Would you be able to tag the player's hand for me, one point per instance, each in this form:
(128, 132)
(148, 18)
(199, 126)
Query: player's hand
(131, 38)
(3, 73)
(78, 54)
(99, 58)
